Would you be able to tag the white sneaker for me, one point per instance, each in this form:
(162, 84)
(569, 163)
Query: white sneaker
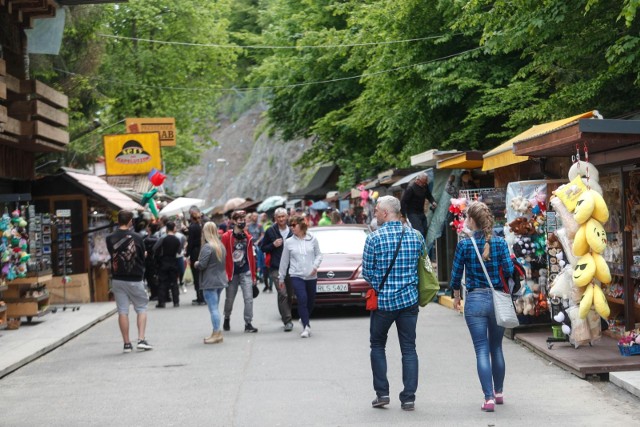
(306, 333)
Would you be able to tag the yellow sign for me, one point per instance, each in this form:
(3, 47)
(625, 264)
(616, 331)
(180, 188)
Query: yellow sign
(132, 153)
(166, 127)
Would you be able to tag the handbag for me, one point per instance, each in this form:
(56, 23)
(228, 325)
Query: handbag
(428, 284)
(503, 306)
(371, 299)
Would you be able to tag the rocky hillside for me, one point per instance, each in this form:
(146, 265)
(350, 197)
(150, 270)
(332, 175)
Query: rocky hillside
(245, 163)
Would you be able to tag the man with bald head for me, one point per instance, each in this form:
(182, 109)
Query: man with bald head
(413, 200)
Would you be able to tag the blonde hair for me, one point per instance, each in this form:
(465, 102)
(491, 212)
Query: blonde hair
(210, 236)
(482, 216)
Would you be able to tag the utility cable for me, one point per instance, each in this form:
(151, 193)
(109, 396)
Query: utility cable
(235, 46)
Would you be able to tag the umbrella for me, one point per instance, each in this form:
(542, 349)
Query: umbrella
(320, 205)
(181, 205)
(271, 203)
(232, 204)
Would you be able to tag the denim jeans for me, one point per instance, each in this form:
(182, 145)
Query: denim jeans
(306, 295)
(487, 340)
(244, 282)
(380, 323)
(212, 297)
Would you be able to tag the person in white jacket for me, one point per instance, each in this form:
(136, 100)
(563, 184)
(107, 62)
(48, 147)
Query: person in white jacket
(301, 256)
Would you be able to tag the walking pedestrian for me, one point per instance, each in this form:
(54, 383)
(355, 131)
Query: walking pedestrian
(413, 200)
(257, 233)
(127, 272)
(301, 257)
(211, 266)
(150, 265)
(395, 249)
(241, 269)
(272, 245)
(478, 307)
(166, 250)
(193, 251)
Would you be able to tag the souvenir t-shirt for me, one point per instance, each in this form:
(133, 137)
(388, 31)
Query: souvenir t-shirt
(239, 254)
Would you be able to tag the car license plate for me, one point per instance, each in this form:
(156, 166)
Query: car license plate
(330, 287)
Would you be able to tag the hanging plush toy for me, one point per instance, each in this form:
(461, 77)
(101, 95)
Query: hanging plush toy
(147, 199)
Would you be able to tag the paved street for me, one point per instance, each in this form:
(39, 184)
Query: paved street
(278, 379)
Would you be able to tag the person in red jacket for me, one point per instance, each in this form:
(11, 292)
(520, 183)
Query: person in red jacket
(241, 269)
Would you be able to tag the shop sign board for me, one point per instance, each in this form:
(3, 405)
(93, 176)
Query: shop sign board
(165, 126)
(132, 153)
(63, 213)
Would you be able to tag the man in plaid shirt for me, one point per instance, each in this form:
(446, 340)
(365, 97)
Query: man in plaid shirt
(397, 301)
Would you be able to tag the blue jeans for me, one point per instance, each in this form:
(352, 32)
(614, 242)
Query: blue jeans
(487, 340)
(381, 321)
(212, 297)
(306, 295)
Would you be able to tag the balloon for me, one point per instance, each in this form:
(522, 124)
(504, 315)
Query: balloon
(156, 177)
(147, 199)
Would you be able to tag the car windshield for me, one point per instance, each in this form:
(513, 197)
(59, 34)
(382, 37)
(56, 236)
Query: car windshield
(340, 240)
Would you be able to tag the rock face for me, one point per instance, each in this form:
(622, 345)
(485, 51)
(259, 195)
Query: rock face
(242, 165)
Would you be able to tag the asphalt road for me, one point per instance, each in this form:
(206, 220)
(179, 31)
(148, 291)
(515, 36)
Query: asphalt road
(274, 378)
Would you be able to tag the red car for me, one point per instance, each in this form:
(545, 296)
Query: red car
(340, 280)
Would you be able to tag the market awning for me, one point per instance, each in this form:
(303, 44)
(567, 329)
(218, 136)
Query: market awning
(410, 177)
(99, 188)
(323, 181)
(431, 157)
(608, 141)
(503, 155)
(467, 160)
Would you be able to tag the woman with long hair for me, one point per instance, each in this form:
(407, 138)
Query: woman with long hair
(213, 276)
(301, 257)
(478, 306)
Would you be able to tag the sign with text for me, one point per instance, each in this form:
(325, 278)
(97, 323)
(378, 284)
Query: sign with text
(132, 153)
(166, 127)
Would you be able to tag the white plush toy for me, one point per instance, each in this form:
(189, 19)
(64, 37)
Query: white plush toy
(582, 168)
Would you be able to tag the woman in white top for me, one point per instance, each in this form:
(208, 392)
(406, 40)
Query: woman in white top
(301, 257)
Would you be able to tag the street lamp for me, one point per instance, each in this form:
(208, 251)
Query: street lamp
(224, 176)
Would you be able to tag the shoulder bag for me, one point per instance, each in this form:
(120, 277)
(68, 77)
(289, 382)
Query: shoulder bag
(502, 302)
(371, 299)
(428, 284)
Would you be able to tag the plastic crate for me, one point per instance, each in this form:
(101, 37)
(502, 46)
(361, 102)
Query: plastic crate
(629, 350)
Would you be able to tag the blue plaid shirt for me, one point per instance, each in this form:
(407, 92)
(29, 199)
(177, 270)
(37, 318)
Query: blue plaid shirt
(401, 288)
(466, 260)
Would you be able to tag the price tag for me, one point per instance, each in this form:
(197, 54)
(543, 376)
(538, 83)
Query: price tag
(63, 213)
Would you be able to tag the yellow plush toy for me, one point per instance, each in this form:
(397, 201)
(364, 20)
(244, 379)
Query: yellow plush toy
(596, 236)
(602, 269)
(584, 271)
(570, 193)
(584, 207)
(580, 245)
(600, 302)
(600, 209)
(586, 302)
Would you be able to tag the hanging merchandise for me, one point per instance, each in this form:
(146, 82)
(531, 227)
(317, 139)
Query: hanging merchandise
(14, 245)
(583, 239)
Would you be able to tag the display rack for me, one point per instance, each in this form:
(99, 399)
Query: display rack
(3, 307)
(27, 297)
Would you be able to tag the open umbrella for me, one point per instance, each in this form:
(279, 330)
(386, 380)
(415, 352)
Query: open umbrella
(320, 205)
(271, 203)
(181, 205)
(232, 204)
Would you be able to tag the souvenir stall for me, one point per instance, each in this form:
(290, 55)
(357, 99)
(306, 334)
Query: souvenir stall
(597, 211)
(83, 210)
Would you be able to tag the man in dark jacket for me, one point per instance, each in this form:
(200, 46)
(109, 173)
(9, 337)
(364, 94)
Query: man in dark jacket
(166, 250)
(194, 243)
(272, 243)
(412, 203)
(127, 271)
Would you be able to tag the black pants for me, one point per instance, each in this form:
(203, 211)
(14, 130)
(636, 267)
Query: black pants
(168, 282)
(196, 279)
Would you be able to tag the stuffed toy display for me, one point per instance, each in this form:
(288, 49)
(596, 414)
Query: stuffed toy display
(14, 246)
(456, 209)
(583, 211)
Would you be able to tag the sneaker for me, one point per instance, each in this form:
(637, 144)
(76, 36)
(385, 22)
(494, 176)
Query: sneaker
(380, 401)
(408, 406)
(144, 345)
(176, 304)
(288, 327)
(160, 306)
(305, 333)
(489, 405)
(499, 398)
(227, 324)
(249, 328)
(266, 288)
(127, 347)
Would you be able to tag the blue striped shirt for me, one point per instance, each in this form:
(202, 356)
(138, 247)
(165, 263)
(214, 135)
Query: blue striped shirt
(466, 260)
(400, 290)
